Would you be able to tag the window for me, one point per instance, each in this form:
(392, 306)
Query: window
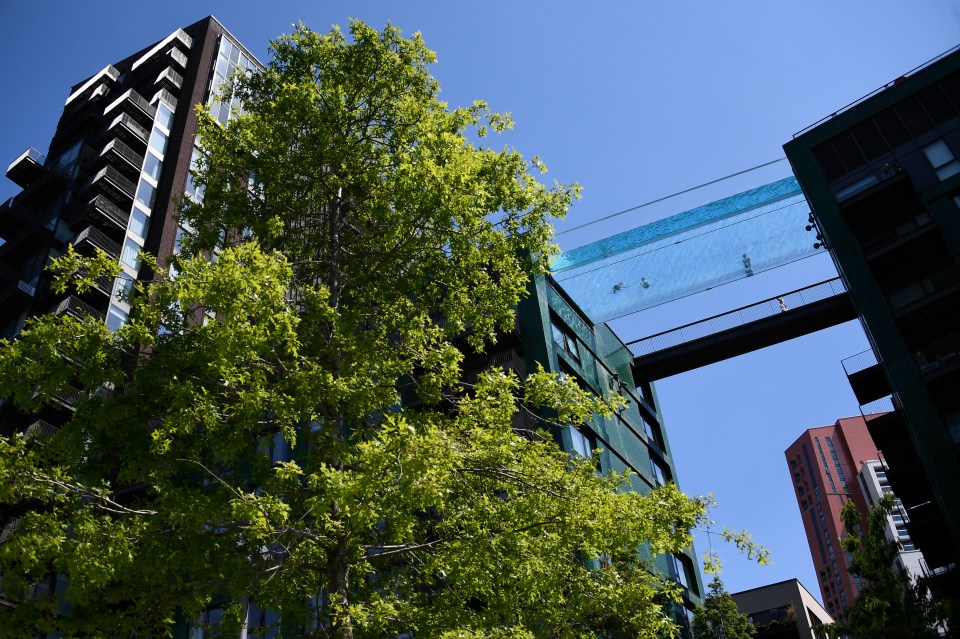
(566, 340)
(146, 193)
(116, 318)
(130, 255)
(582, 441)
(122, 287)
(164, 116)
(660, 474)
(151, 166)
(158, 141)
(942, 159)
(653, 433)
(683, 572)
(139, 222)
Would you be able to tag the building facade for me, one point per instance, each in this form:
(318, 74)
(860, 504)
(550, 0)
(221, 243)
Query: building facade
(784, 610)
(874, 484)
(116, 168)
(883, 182)
(824, 463)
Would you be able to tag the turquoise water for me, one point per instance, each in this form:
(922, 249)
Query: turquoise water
(710, 245)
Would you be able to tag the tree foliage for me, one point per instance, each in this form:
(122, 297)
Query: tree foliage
(719, 617)
(363, 244)
(890, 604)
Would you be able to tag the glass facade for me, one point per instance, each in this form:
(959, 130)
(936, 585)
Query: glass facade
(689, 252)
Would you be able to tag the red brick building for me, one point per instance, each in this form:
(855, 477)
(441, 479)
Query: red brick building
(824, 463)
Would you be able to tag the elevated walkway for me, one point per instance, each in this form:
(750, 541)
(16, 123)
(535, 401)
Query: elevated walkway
(742, 330)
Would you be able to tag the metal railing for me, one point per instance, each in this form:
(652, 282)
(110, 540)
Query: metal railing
(898, 80)
(859, 362)
(117, 146)
(97, 239)
(117, 179)
(108, 209)
(882, 405)
(736, 318)
(125, 120)
(30, 153)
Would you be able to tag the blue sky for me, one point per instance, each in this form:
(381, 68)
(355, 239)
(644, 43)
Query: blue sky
(632, 100)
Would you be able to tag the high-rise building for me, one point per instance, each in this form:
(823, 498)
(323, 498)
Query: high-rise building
(824, 463)
(118, 164)
(882, 177)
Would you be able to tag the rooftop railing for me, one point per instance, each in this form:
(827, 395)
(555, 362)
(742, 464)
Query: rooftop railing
(898, 80)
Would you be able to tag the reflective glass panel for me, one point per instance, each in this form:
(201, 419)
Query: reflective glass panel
(165, 116)
(115, 318)
(152, 165)
(146, 193)
(139, 222)
(130, 254)
(158, 140)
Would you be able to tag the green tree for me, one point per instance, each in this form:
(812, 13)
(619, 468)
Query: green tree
(889, 605)
(363, 245)
(719, 617)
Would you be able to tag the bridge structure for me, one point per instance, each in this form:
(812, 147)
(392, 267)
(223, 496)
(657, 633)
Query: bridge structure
(731, 239)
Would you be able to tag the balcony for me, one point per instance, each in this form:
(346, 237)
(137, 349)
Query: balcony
(929, 531)
(122, 157)
(866, 377)
(167, 97)
(129, 130)
(170, 80)
(134, 105)
(90, 239)
(179, 58)
(110, 182)
(934, 287)
(889, 432)
(104, 215)
(911, 256)
(33, 235)
(75, 307)
(15, 295)
(27, 167)
(890, 238)
(13, 217)
(19, 593)
(39, 429)
(909, 482)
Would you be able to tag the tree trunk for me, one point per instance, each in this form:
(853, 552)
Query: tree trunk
(338, 581)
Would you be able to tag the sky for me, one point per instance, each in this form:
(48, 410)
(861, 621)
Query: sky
(633, 101)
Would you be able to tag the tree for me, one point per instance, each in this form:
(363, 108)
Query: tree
(719, 617)
(363, 246)
(889, 603)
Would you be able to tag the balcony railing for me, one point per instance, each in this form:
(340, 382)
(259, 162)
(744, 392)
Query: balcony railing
(111, 182)
(859, 362)
(129, 130)
(179, 57)
(27, 167)
(76, 307)
(116, 148)
(96, 239)
(39, 430)
(167, 97)
(134, 105)
(170, 79)
(876, 91)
